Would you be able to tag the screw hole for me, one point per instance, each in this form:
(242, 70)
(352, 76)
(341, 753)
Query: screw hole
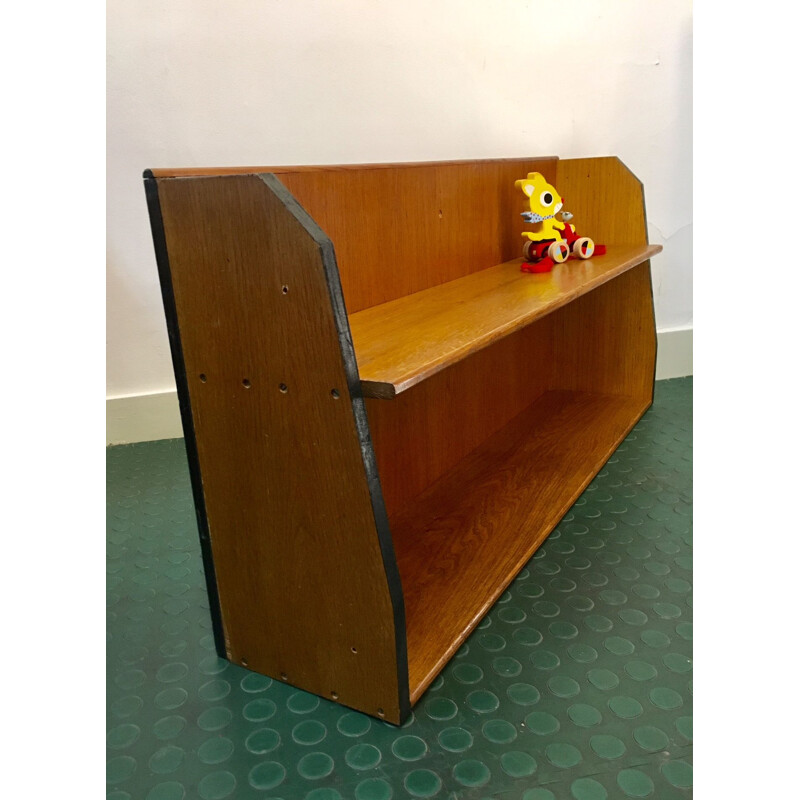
(285, 289)
(244, 662)
(284, 676)
(381, 712)
(353, 650)
(283, 387)
(335, 394)
(203, 377)
(246, 383)
(335, 695)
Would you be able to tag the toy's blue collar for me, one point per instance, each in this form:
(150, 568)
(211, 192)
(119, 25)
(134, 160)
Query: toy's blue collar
(531, 217)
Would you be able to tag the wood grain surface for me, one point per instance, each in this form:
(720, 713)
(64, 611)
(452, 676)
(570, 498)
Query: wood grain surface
(426, 431)
(400, 343)
(606, 199)
(399, 229)
(301, 580)
(493, 398)
(483, 454)
(464, 539)
(189, 172)
(605, 341)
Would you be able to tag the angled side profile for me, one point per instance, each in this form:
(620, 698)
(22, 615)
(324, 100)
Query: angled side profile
(385, 421)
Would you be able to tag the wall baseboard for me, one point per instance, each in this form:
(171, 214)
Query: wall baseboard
(148, 417)
(143, 418)
(674, 353)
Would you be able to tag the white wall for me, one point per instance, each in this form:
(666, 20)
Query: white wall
(259, 82)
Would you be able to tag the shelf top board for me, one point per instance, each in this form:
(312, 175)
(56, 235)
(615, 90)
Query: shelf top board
(400, 343)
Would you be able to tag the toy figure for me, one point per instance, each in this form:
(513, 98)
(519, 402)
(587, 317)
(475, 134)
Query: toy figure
(553, 239)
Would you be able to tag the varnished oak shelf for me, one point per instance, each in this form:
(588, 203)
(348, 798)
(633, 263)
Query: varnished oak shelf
(381, 426)
(400, 343)
(468, 535)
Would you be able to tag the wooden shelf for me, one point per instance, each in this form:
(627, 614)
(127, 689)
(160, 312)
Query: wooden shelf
(351, 544)
(466, 537)
(400, 343)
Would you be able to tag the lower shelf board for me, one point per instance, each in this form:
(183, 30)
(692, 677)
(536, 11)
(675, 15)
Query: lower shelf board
(465, 538)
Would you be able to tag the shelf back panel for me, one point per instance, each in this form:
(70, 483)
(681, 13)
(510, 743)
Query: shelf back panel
(606, 199)
(399, 229)
(305, 572)
(424, 432)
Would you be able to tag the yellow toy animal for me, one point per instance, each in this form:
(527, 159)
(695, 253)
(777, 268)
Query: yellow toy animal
(553, 239)
(545, 203)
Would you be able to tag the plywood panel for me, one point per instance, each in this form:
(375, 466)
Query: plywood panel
(606, 199)
(400, 343)
(424, 432)
(301, 573)
(399, 229)
(606, 340)
(463, 541)
(194, 172)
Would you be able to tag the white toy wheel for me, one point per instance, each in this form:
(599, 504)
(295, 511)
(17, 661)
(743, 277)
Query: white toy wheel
(528, 251)
(559, 252)
(583, 247)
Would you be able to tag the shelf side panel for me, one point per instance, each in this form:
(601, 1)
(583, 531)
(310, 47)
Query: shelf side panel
(606, 199)
(606, 340)
(305, 570)
(401, 229)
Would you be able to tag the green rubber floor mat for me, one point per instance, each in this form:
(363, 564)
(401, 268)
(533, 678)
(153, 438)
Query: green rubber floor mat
(577, 684)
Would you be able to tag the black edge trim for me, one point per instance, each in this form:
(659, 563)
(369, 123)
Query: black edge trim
(650, 276)
(362, 426)
(655, 332)
(178, 365)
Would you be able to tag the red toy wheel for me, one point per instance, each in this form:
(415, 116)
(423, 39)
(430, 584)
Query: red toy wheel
(558, 251)
(583, 247)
